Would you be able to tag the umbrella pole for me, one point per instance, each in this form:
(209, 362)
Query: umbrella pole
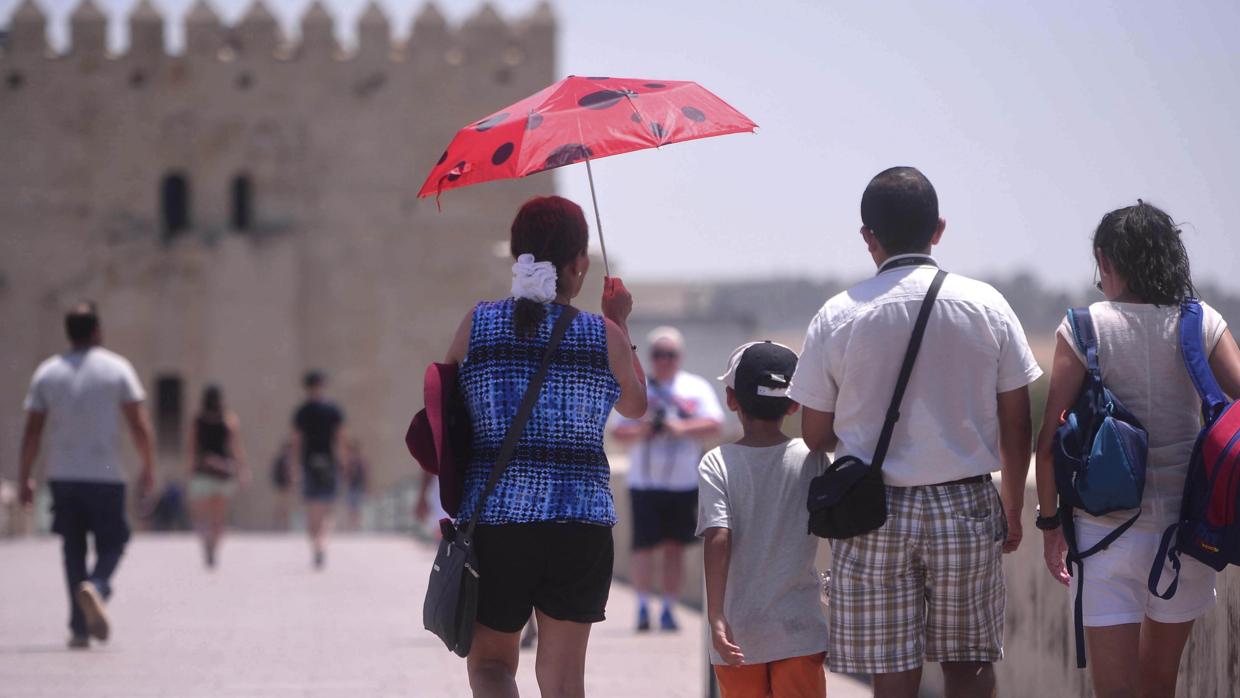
(597, 220)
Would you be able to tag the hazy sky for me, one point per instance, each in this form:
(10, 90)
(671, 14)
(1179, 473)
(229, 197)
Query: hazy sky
(1031, 118)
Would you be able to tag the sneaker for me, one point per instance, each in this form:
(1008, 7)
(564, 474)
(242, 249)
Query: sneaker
(643, 620)
(667, 622)
(91, 601)
(79, 642)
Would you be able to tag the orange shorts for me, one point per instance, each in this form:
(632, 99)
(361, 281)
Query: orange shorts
(798, 677)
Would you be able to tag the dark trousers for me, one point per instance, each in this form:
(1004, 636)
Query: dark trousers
(96, 508)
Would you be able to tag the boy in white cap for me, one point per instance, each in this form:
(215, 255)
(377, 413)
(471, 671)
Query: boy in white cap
(768, 629)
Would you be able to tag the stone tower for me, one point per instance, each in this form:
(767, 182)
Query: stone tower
(245, 210)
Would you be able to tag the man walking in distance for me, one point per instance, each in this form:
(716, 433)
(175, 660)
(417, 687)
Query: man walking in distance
(318, 442)
(665, 448)
(928, 584)
(79, 396)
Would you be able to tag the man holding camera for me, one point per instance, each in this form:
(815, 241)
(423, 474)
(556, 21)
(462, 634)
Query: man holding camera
(665, 447)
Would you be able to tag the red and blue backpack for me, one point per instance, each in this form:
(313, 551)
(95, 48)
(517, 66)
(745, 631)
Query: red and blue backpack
(1209, 525)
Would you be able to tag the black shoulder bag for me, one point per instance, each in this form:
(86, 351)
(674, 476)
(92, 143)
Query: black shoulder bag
(849, 498)
(452, 594)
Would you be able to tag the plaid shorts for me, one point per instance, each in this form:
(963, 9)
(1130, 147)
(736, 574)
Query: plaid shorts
(927, 586)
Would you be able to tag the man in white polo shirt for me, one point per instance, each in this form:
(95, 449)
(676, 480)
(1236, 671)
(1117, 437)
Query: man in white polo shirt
(80, 396)
(928, 584)
(665, 447)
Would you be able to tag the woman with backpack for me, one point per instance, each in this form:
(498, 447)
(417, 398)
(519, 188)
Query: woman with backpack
(1134, 638)
(544, 536)
(217, 464)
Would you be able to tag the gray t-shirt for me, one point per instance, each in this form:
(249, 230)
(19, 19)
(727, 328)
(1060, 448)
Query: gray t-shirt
(772, 600)
(82, 392)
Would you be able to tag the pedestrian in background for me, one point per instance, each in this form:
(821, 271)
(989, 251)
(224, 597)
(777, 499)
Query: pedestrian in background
(217, 466)
(357, 483)
(665, 446)
(318, 444)
(80, 396)
(282, 477)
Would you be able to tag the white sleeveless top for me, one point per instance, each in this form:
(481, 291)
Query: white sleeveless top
(1139, 354)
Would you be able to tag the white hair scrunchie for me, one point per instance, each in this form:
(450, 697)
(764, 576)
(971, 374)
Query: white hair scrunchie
(533, 280)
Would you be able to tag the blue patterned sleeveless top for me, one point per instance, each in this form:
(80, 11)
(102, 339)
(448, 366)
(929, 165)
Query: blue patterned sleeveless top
(559, 471)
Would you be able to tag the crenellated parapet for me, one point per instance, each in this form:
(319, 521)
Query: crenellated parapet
(431, 39)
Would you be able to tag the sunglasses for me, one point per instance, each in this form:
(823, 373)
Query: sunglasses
(664, 355)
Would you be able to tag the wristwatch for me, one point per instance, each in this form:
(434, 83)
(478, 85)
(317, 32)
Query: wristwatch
(1046, 523)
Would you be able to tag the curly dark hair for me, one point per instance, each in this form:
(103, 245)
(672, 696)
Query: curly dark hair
(1144, 245)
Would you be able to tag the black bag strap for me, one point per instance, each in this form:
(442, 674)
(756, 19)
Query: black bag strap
(517, 426)
(906, 371)
(1166, 551)
(1076, 557)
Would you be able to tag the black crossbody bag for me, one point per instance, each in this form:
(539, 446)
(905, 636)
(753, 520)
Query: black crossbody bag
(849, 498)
(452, 594)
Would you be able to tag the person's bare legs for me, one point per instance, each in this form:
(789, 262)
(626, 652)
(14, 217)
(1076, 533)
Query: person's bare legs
(642, 568)
(319, 514)
(1112, 650)
(643, 571)
(561, 662)
(492, 663)
(1162, 645)
(217, 518)
(969, 679)
(900, 684)
(200, 512)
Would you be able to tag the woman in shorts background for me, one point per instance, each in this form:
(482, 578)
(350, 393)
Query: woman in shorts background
(1134, 639)
(544, 537)
(217, 466)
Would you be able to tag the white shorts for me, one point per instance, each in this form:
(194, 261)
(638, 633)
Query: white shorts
(1117, 579)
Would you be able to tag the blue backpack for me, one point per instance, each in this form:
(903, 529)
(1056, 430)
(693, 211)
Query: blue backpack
(1100, 455)
(1209, 527)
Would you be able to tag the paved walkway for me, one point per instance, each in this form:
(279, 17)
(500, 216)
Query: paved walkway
(264, 624)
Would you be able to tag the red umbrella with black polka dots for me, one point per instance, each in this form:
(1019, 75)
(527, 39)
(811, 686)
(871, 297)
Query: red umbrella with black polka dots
(580, 119)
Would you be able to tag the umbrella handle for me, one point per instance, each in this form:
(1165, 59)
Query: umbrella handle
(597, 219)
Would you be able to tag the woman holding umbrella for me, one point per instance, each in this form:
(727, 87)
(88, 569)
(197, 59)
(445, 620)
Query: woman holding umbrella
(544, 535)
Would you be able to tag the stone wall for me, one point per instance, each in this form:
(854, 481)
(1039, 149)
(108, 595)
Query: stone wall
(341, 268)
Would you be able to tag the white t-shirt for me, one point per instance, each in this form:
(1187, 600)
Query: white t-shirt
(1139, 354)
(772, 600)
(973, 349)
(664, 462)
(82, 392)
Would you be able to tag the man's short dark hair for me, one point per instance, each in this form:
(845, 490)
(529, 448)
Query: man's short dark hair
(81, 323)
(763, 408)
(313, 379)
(902, 210)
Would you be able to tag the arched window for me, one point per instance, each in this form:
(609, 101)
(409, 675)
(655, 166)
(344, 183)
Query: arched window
(242, 202)
(174, 204)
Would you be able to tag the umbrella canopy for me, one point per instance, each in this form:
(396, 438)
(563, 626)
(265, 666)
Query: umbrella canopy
(580, 119)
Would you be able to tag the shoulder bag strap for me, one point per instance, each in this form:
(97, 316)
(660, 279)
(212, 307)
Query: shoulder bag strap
(517, 426)
(1197, 361)
(1086, 339)
(906, 371)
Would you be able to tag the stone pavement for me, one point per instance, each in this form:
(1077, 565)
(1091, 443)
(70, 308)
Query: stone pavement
(264, 624)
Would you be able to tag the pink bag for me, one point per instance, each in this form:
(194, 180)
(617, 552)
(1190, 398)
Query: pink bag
(440, 433)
